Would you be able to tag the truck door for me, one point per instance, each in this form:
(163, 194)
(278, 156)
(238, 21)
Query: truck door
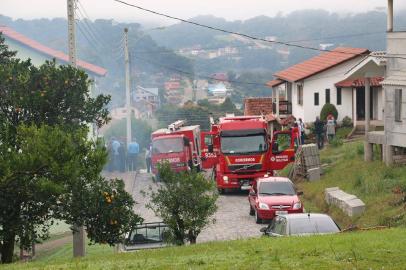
(283, 149)
(209, 149)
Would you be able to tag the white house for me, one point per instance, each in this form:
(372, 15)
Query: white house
(320, 80)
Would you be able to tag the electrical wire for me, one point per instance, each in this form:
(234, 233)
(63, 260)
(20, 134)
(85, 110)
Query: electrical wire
(242, 34)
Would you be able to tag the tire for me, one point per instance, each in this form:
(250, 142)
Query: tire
(221, 191)
(258, 220)
(252, 211)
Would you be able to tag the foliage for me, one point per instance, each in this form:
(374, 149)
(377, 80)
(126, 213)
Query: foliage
(336, 142)
(140, 129)
(346, 122)
(5, 54)
(185, 201)
(374, 249)
(327, 109)
(48, 168)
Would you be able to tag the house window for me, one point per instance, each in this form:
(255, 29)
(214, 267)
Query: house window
(316, 99)
(327, 95)
(339, 96)
(398, 105)
(300, 94)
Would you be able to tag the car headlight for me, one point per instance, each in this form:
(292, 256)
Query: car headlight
(225, 178)
(263, 206)
(297, 205)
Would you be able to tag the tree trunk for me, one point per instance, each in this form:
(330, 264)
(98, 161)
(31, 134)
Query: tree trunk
(192, 238)
(7, 248)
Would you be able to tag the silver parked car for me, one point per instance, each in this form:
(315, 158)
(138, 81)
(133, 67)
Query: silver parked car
(301, 224)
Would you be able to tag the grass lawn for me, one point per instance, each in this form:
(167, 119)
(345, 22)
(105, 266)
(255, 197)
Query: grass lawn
(362, 250)
(373, 182)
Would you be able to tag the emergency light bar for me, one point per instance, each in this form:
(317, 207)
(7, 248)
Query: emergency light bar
(176, 125)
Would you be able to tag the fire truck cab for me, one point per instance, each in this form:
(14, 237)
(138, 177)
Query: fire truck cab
(241, 149)
(178, 145)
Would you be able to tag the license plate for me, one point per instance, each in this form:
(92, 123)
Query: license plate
(281, 212)
(245, 187)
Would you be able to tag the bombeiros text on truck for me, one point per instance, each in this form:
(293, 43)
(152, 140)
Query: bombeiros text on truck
(241, 149)
(179, 145)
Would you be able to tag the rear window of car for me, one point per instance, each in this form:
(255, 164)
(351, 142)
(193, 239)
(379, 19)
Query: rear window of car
(312, 226)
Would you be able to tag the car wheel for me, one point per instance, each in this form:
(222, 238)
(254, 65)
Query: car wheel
(258, 220)
(221, 190)
(252, 211)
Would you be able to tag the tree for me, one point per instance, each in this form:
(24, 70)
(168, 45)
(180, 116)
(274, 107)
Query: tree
(48, 167)
(5, 54)
(185, 201)
(327, 109)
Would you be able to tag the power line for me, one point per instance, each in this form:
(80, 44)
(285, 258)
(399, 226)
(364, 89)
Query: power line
(242, 34)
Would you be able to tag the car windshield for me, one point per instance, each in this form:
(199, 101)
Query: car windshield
(312, 225)
(276, 188)
(243, 144)
(167, 145)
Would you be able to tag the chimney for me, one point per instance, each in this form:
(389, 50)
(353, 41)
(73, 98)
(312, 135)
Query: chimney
(390, 16)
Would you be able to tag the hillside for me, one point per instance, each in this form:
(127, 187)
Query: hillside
(362, 250)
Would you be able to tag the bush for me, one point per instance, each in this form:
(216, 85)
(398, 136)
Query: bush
(336, 142)
(347, 122)
(327, 109)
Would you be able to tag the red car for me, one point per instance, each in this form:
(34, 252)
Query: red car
(272, 196)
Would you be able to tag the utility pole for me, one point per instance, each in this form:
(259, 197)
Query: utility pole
(78, 231)
(127, 86)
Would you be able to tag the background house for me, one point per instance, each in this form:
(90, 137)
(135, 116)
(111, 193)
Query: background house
(311, 84)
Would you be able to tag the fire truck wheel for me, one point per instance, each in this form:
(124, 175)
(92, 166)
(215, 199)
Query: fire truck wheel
(252, 211)
(258, 220)
(221, 190)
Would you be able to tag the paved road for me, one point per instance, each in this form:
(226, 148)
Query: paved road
(232, 218)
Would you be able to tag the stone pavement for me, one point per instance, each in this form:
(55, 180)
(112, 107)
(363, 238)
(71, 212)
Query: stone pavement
(232, 218)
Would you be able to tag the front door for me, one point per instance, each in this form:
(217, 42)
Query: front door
(361, 103)
(283, 149)
(209, 149)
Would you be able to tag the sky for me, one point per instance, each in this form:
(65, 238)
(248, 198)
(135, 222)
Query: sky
(229, 9)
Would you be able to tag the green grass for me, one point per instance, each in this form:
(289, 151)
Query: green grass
(363, 250)
(343, 132)
(372, 182)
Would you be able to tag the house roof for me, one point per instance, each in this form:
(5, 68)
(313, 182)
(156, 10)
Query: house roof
(11, 34)
(258, 106)
(375, 81)
(319, 63)
(274, 83)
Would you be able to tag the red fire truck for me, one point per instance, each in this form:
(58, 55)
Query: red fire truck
(241, 149)
(179, 145)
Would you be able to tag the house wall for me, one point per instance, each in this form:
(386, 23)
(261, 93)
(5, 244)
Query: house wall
(319, 83)
(395, 131)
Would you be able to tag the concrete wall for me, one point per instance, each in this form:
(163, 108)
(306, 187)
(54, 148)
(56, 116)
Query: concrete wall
(395, 131)
(319, 83)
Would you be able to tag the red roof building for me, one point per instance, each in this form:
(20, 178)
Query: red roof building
(258, 106)
(31, 44)
(308, 85)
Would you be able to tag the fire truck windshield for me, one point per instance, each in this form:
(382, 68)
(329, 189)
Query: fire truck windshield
(167, 145)
(243, 143)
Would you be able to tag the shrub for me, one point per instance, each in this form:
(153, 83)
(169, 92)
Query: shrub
(360, 149)
(327, 109)
(347, 122)
(336, 142)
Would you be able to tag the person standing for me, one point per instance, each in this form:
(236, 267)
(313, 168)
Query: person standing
(295, 131)
(302, 131)
(115, 147)
(331, 128)
(319, 132)
(132, 150)
(148, 159)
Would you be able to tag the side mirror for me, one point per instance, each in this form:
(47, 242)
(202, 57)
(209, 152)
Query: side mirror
(210, 148)
(275, 147)
(300, 193)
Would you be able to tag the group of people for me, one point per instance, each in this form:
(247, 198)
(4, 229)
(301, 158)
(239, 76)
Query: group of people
(123, 157)
(321, 129)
